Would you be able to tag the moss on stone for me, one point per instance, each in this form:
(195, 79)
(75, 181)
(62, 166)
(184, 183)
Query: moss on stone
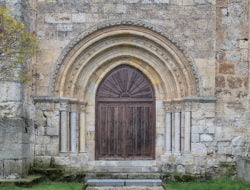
(188, 177)
(177, 177)
(100, 175)
(185, 177)
(53, 174)
(228, 168)
(227, 164)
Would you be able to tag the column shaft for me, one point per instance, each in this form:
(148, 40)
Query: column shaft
(177, 126)
(64, 131)
(82, 132)
(187, 133)
(168, 126)
(73, 132)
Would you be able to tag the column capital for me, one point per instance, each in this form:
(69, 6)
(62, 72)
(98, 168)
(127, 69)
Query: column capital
(172, 106)
(62, 103)
(82, 106)
(186, 103)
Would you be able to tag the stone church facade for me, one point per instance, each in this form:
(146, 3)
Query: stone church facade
(193, 55)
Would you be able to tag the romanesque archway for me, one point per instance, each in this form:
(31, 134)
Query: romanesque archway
(88, 59)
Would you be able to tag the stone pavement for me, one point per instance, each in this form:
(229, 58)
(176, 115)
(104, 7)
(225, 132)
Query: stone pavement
(125, 188)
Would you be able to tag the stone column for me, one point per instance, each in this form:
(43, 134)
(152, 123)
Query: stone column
(82, 132)
(168, 126)
(177, 128)
(73, 131)
(64, 131)
(187, 132)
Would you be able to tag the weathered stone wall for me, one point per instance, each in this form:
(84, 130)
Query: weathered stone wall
(213, 35)
(16, 119)
(14, 141)
(232, 78)
(191, 25)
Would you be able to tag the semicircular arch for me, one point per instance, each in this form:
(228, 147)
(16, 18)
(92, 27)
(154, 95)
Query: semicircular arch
(116, 40)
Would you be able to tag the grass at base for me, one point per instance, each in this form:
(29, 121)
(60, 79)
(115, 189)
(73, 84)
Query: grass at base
(49, 186)
(220, 184)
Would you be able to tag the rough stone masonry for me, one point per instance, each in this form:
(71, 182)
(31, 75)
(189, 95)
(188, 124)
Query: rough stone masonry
(194, 52)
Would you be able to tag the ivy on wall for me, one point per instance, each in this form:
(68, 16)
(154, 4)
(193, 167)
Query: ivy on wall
(16, 48)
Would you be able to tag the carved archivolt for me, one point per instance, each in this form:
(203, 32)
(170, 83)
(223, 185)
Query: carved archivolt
(88, 58)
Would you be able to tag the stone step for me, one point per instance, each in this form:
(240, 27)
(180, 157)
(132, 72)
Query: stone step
(124, 163)
(124, 182)
(28, 181)
(49, 173)
(125, 188)
(127, 169)
(110, 175)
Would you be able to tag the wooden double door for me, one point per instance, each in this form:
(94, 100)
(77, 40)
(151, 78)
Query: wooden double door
(125, 116)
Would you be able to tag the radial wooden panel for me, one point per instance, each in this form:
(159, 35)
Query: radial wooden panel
(125, 82)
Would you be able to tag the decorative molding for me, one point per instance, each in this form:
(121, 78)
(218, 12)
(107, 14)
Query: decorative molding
(139, 23)
(185, 104)
(202, 99)
(54, 99)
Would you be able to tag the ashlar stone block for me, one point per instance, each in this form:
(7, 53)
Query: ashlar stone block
(238, 141)
(162, 1)
(57, 18)
(42, 161)
(243, 44)
(206, 138)
(62, 161)
(224, 148)
(1, 170)
(10, 91)
(52, 131)
(242, 68)
(78, 18)
(121, 9)
(12, 168)
(132, 1)
(199, 149)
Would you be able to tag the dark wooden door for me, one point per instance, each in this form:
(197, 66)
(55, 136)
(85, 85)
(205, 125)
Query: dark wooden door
(125, 116)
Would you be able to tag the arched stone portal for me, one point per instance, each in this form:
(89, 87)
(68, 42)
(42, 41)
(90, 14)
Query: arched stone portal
(87, 60)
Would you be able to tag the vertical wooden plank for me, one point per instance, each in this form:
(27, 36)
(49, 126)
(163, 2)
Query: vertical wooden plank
(147, 132)
(111, 140)
(115, 135)
(144, 131)
(106, 134)
(121, 127)
(126, 135)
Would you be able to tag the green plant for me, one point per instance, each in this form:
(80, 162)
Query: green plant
(16, 48)
(223, 183)
(49, 186)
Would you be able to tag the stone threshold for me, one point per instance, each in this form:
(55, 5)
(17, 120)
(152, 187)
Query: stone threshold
(124, 182)
(123, 175)
(125, 188)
